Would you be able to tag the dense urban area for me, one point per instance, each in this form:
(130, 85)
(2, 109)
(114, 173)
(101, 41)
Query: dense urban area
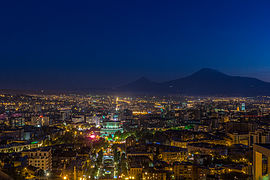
(140, 137)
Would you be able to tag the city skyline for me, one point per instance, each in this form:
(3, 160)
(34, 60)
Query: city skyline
(135, 90)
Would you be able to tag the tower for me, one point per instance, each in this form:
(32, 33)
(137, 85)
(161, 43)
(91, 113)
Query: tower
(243, 107)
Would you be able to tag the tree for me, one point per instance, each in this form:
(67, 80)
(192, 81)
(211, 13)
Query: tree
(117, 134)
(116, 155)
(93, 172)
(40, 173)
(13, 173)
(123, 164)
(100, 157)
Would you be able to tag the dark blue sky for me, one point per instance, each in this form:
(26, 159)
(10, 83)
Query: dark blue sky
(103, 43)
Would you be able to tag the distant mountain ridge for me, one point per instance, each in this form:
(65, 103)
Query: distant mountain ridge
(203, 82)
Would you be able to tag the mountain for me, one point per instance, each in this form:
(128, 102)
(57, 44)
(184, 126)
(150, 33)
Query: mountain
(203, 82)
(141, 85)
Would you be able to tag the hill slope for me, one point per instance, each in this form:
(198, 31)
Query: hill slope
(203, 82)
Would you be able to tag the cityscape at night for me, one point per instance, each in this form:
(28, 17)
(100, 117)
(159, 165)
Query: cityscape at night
(135, 90)
(137, 137)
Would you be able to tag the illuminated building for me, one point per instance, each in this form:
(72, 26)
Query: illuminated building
(261, 161)
(139, 154)
(16, 121)
(182, 170)
(207, 149)
(153, 174)
(135, 171)
(14, 133)
(130, 141)
(239, 138)
(40, 158)
(65, 114)
(172, 156)
(78, 119)
(40, 121)
(181, 144)
(243, 107)
(187, 170)
(117, 104)
(110, 128)
(96, 120)
(259, 136)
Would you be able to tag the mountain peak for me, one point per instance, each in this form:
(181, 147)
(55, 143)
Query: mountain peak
(142, 84)
(203, 82)
(208, 72)
(143, 78)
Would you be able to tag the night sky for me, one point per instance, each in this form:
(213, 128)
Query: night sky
(105, 43)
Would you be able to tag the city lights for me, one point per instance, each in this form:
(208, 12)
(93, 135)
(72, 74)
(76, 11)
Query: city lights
(135, 90)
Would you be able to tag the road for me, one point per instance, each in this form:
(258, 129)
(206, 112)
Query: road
(107, 170)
